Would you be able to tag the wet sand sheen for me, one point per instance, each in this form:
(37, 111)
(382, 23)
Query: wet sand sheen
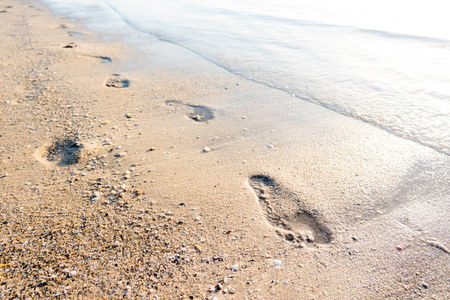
(180, 222)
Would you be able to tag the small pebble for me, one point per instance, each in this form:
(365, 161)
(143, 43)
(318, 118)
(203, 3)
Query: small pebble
(206, 150)
(270, 146)
(121, 154)
(276, 263)
(97, 194)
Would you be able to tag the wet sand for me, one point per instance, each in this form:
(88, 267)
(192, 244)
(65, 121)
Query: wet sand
(147, 172)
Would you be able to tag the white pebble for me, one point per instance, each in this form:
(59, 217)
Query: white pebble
(276, 263)
(97, 194)
(206, 150)
(234, 267)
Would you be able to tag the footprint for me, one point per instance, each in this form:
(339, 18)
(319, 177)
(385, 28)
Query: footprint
(101, 59)
(116, 81)
(69, 46)
(65, 152)
(74, 33)
(288, 214)
(104, 59)
(198, 113)
(61, 26)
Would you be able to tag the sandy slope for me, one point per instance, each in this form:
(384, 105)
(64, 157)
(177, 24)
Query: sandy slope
(106, 192)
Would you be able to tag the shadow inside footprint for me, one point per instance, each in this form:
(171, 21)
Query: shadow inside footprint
(104, 59)
(74, 33)
(101, 59)
(65, 152)
(116, 81)
(287, 212)
(198, 113)
(69, 46)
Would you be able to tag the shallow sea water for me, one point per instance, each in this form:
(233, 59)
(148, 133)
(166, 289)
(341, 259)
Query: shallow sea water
(384, 63)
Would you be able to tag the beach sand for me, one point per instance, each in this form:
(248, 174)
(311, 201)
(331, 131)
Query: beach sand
(149, 173)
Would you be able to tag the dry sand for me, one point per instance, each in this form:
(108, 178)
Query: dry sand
(182, 181)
